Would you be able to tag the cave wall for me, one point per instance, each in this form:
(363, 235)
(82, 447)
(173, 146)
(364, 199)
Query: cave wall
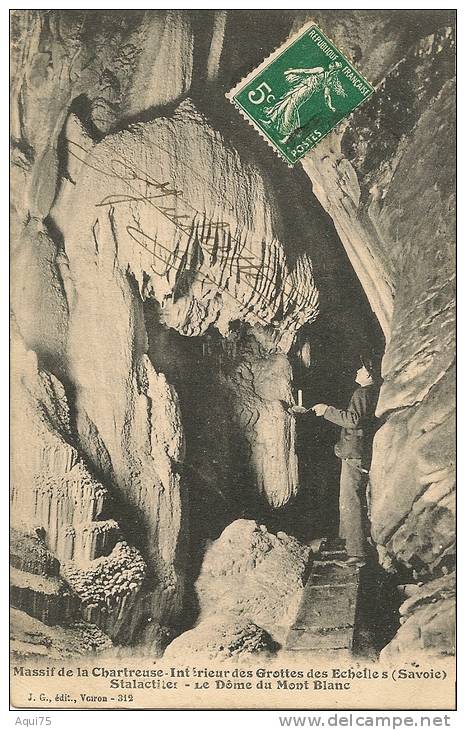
(163, 210)
(114, 262)
(388, 182)
(55, 497)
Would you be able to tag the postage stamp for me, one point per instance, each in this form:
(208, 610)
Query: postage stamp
(300, 93)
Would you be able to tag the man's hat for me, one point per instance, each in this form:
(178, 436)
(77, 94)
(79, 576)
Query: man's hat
(370, 363)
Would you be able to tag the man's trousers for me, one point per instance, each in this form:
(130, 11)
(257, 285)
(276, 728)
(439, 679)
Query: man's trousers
(353, 483)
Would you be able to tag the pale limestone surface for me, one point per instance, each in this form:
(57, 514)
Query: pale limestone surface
(428, 623)
(387, 182)
(32, 639)
(217, 639)
(251, 575)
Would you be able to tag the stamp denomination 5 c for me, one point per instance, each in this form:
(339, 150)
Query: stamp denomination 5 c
(300, 93)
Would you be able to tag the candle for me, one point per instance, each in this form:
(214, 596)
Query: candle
(300, 398)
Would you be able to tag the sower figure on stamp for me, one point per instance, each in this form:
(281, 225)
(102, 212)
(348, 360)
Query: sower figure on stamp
(354, 448)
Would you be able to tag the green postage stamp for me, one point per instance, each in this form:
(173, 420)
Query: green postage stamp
(300, 93)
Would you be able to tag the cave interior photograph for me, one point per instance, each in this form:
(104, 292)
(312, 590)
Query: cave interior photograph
(233, 384)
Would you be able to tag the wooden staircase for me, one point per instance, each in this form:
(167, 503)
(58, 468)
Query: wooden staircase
(326, 617)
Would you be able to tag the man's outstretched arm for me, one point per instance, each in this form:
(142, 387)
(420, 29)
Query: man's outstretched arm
(350, 418)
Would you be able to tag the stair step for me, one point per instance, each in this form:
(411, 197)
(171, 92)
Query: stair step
(327, 606)
(332, 543)
(330, 570)
(333, 582)
(327, 613)
(332, 555)
(341, 638)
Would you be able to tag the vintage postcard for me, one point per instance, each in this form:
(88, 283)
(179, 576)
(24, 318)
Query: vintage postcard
(232, 359)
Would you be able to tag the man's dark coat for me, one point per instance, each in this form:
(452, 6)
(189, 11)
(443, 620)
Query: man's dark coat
(358, 423)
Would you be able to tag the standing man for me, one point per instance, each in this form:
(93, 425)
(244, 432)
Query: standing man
(354, 448)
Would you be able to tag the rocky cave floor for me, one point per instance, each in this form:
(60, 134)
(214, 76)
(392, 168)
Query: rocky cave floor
(251, 590)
